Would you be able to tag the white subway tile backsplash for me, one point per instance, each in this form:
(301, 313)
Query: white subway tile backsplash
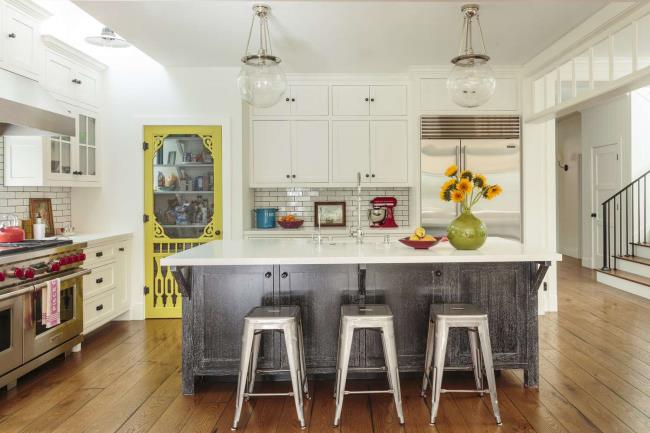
(14, 200)
(300, 201)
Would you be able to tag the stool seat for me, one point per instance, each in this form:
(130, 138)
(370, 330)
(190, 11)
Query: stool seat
(371, 310)
(456, 311)
(283, 312)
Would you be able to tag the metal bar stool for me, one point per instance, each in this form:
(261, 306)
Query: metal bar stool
(260, 319)
(378, 317)
(442, 317)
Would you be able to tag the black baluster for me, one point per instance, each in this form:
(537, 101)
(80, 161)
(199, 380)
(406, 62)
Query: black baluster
(645, 208)
(638, 211)
(620, 225)
(614, 231)
(605, 235)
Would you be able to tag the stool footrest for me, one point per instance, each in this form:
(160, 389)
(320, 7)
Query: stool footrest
(270, 371)
(268, 394)
(471, 391)
(367, 369)
(379, 391)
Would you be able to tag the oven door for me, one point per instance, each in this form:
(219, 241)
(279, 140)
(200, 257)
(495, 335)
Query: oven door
(39, 339)
(11, 331)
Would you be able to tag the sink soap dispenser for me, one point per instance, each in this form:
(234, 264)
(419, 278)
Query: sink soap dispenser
(39, 228)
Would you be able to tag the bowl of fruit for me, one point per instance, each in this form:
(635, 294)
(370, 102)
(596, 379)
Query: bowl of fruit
(420, 240)
(290, 222)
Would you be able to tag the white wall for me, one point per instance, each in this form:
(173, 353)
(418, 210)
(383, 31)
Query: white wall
(141, 93)
(640, 129)
(607, 123)
(568, 148)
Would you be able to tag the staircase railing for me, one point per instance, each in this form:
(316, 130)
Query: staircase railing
(624, 222)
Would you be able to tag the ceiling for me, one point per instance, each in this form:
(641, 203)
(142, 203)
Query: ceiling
(338, 36)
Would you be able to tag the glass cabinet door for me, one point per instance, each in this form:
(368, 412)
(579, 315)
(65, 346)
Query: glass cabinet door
(60, 156)
(87, 145)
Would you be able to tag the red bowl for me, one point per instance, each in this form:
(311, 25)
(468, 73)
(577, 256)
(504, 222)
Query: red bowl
(419, 245)
(291, 224)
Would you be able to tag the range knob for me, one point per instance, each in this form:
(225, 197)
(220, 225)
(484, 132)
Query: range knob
(19, 273)
(82, 256)
(2, 276)
(54, 267)
(29, 273)
(64, 261)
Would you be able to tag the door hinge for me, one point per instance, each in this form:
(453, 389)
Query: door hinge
(545, 287)
(146, 290)
(145, 218)
(617, 156)
(145, 145)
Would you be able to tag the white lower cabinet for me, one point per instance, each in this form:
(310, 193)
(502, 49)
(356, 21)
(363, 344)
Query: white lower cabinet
(290, 151)
(106, 288)
(377, 149)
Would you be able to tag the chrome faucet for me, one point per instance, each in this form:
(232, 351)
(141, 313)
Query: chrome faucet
(357, 232)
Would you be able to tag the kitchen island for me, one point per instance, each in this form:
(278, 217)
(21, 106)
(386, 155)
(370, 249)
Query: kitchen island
(222, 280)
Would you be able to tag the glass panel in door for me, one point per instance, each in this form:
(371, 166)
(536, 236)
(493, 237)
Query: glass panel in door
(55, 155)
(66, 307)
(91, 161)
(83, 132)
(183, 186)
(83, 159)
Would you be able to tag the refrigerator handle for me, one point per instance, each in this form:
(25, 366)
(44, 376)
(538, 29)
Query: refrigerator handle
(464, 157)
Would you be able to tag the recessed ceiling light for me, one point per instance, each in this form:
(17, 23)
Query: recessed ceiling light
(107, 38)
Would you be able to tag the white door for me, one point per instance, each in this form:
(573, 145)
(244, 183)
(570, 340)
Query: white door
(388, 100)
(271, 152)
(606, 166)
(310, 151)
(350, 100)
(21, 41)
(59, 73)
(350, 151)
(87, 157)
(85, 85)
(310, 100)
(388, 151)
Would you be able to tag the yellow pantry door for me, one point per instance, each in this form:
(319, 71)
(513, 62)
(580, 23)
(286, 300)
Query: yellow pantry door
(182, 204)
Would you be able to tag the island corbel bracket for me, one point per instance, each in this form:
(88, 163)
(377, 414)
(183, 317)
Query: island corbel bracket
(182, 276)
(540, 274)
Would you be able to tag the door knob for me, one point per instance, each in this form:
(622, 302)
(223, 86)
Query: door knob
(268, 275)
(284, 275)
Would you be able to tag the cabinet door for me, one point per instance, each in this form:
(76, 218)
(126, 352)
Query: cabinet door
(271, 151)
(59, 73)
(389, 151)
(350, 151)
(86, 147)
(350, 100)
(309, 100)
(122, 276)
(21, 49)
(23, 161)
(282, 108)
(85, 86)
(388, 101)
(58, 155)
(310, 151)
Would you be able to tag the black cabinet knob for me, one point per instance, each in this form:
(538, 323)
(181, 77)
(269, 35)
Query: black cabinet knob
(438, 273)
(366, 99)
(367, 175)
(293, 175)
(284, 275)
(99, 254)
(268, 275)
(12, 35)
(100, 307)
(293, 99)
(286, 99)
(288, 176)
(593, 215)
(372, 99)
(373, 175)
(99, 280)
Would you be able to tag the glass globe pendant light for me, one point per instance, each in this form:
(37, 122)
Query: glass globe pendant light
(261, 80)
(471, 82)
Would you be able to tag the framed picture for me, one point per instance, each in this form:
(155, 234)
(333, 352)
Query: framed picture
(329, 213)
(42, 207)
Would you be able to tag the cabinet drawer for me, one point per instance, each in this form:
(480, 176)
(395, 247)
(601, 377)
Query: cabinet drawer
(99, 254)
(99, 280)
(98, 309)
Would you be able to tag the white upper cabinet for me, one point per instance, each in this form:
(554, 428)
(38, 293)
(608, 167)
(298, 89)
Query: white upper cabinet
(72, 75)
(300, 100)
(20, 32)
(388, 151)
(287, 152)
(373, 100)
(350, 151)
(310, 151)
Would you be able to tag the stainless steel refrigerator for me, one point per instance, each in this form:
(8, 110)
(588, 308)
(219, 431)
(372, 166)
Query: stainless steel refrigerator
(498, 159)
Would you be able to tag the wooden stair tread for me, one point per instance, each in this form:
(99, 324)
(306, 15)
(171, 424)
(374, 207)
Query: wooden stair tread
(627, 276)
(641, 244)
(635, 259)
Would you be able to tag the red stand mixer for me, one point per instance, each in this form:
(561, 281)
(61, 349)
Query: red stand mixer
(381, 214)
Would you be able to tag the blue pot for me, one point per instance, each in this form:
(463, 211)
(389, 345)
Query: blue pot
(265, 217)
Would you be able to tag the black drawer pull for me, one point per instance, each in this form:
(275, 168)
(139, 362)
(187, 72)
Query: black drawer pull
(12, 35)
(438, 273)
(121, 249)
(99, 254)
(100, 307)
(99, 280)
(284, 275)
(268, 275)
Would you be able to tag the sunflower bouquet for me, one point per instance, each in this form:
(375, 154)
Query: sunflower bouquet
(467, 188)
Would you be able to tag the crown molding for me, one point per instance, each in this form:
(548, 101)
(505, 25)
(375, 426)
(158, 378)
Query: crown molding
(66, 50)
(30, 8)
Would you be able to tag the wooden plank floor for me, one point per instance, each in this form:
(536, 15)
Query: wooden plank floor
(595, 377)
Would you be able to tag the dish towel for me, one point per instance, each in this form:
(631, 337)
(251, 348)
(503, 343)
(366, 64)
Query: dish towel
(50, 312)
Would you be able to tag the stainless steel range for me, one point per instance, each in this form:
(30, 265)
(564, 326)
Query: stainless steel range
(25, 269)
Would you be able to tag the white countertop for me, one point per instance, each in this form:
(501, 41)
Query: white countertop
(326, 231)
(303, 251)
(91, 238)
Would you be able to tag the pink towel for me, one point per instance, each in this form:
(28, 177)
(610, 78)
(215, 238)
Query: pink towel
(50, 312)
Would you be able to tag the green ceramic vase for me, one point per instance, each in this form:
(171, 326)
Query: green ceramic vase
(467, 232)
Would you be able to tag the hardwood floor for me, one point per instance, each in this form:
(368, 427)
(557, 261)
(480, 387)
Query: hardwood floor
(594, 368)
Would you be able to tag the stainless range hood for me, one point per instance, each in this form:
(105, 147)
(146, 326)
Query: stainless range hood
(27, 109)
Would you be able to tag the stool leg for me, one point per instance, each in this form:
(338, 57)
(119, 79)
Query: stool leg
(472, 333)
(253, 363)
(346, 334)
(390, 353)
(440, 349)
(291, 343)
(246, 349)
(486, 349)
(428, 358)
(338, 353)
(303, 365)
